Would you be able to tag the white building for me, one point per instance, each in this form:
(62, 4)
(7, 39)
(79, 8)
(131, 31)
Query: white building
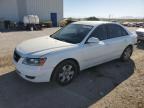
(15, 10)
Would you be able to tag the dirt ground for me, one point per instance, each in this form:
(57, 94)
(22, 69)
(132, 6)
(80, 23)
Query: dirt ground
(130, 93)
(9, 40)
(114, 84)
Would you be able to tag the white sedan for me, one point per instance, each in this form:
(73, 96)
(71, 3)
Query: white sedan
(76, 47)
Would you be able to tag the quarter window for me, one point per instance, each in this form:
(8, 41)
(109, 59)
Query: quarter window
(100, 32)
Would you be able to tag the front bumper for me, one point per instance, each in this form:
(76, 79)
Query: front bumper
(33, 73)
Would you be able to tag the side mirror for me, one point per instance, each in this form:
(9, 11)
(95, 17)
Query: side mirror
(93, 40)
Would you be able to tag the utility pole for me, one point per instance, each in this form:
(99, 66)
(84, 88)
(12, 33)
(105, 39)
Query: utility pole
(109, 17)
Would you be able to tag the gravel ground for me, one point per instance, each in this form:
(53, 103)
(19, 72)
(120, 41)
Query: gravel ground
(8, 40)
(130, 93)
(110, 85)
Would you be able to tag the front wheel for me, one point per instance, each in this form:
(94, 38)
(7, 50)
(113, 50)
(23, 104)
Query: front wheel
(127, 54)
(65, 72)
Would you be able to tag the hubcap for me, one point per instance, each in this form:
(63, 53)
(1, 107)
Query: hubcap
(67, 73)
(127, 53)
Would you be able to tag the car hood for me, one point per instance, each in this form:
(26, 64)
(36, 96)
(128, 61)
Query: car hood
(41, 46)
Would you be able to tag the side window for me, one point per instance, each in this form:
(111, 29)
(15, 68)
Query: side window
(116, 31)
(100, 32)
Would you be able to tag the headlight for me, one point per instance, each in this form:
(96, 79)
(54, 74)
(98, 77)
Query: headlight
(34, 61)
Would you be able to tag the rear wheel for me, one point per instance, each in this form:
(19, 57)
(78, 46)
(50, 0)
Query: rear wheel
(65, 72)
(127, 53)
(140, 42)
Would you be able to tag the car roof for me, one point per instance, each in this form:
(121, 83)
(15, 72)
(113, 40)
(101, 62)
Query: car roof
(93, 23)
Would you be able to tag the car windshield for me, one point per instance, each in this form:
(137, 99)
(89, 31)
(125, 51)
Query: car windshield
(73, 33)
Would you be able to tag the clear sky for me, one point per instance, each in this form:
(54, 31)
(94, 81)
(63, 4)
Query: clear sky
(103, 8)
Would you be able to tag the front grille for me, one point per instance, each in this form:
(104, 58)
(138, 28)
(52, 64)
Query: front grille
(16, 56)
(140, 33)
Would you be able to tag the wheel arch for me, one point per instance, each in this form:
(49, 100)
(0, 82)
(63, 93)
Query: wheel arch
(68, 59)
(130, 45)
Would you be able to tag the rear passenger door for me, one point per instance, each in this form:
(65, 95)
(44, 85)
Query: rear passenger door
(117, 40)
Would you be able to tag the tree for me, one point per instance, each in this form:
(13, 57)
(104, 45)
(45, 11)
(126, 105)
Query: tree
(92, 18)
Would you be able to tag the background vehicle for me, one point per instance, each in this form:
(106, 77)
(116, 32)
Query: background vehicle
(140, 33)
(75, 47)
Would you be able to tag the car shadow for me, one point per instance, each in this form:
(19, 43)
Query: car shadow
(90, 86)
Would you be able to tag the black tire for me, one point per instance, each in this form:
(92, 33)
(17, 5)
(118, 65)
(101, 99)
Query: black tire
(65, 78)
(127, 53)
(139, 42)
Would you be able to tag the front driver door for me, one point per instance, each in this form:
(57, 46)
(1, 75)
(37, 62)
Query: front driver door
(95, 53)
